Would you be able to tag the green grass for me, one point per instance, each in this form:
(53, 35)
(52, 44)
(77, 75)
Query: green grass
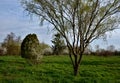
(58, 69)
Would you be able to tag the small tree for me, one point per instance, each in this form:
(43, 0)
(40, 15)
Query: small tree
(58, 44)
(79, 21)
(97, 48)
(12, 44)
(111, 48)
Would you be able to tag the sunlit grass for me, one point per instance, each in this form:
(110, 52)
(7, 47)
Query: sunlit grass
(58, 69)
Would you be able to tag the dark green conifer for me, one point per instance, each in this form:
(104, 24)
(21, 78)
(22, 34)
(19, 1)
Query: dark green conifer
(30, 47)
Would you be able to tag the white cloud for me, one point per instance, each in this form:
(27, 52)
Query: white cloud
(22, 27)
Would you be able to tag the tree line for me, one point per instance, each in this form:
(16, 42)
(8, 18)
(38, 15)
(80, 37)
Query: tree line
(12, 46)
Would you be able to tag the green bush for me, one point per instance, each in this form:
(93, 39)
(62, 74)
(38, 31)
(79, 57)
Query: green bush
(30, 48)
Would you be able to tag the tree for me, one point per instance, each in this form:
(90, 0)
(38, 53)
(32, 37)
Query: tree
(79, 21)
(97, 48)
(30, 48)
(111, 48)
(12, 44)
(43, 46)
(58, 44)
(88, 50)
(45, 49)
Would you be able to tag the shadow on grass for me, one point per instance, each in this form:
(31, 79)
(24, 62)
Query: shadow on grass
(10, 62)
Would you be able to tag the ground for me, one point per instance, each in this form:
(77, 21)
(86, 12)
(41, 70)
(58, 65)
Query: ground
(58, 69)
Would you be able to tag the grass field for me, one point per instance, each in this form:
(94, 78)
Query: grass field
(58, 69)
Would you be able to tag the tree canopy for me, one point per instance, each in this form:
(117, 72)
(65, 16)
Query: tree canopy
(78, 21)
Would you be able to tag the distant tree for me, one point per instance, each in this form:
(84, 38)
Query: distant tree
(58, 44)
(45, 49)
(88, 50)
(117, 53)
(48, 51)
(12, 44)
(43, 46)
(111, 48)
(79, 21)
(1, 51)
(97, 48)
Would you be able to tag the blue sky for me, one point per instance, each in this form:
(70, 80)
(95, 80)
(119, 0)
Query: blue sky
(14, 19)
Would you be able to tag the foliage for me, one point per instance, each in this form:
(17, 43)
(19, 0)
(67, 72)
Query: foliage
(58, 44)
(43, 46)
(30, 47)
(58, 69)
(12, 44)
(79, 21)
(1, 51)
(48, 51)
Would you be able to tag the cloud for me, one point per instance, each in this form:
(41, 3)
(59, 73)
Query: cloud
(23, 27)
(12, 19)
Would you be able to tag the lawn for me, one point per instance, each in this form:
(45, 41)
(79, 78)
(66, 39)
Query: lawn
(58, 69)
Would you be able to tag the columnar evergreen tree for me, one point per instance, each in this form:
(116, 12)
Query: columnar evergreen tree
(58, 44)
(30, 47)
(79, 21)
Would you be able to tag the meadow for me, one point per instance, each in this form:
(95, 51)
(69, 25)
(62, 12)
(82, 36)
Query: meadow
(58, 69)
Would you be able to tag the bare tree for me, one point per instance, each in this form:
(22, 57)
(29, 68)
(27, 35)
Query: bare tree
(78, 21)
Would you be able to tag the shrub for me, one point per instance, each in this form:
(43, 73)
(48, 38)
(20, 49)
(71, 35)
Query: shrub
(65, 51)
(30, 48)
(47, 51)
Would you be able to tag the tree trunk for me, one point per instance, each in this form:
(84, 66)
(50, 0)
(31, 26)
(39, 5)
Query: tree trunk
(76, 67)
(75, 62)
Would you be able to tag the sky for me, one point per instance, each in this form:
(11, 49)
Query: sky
(14, 19)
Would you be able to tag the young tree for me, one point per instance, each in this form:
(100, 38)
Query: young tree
(58, 44)
(12, 44)
(78, 21)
